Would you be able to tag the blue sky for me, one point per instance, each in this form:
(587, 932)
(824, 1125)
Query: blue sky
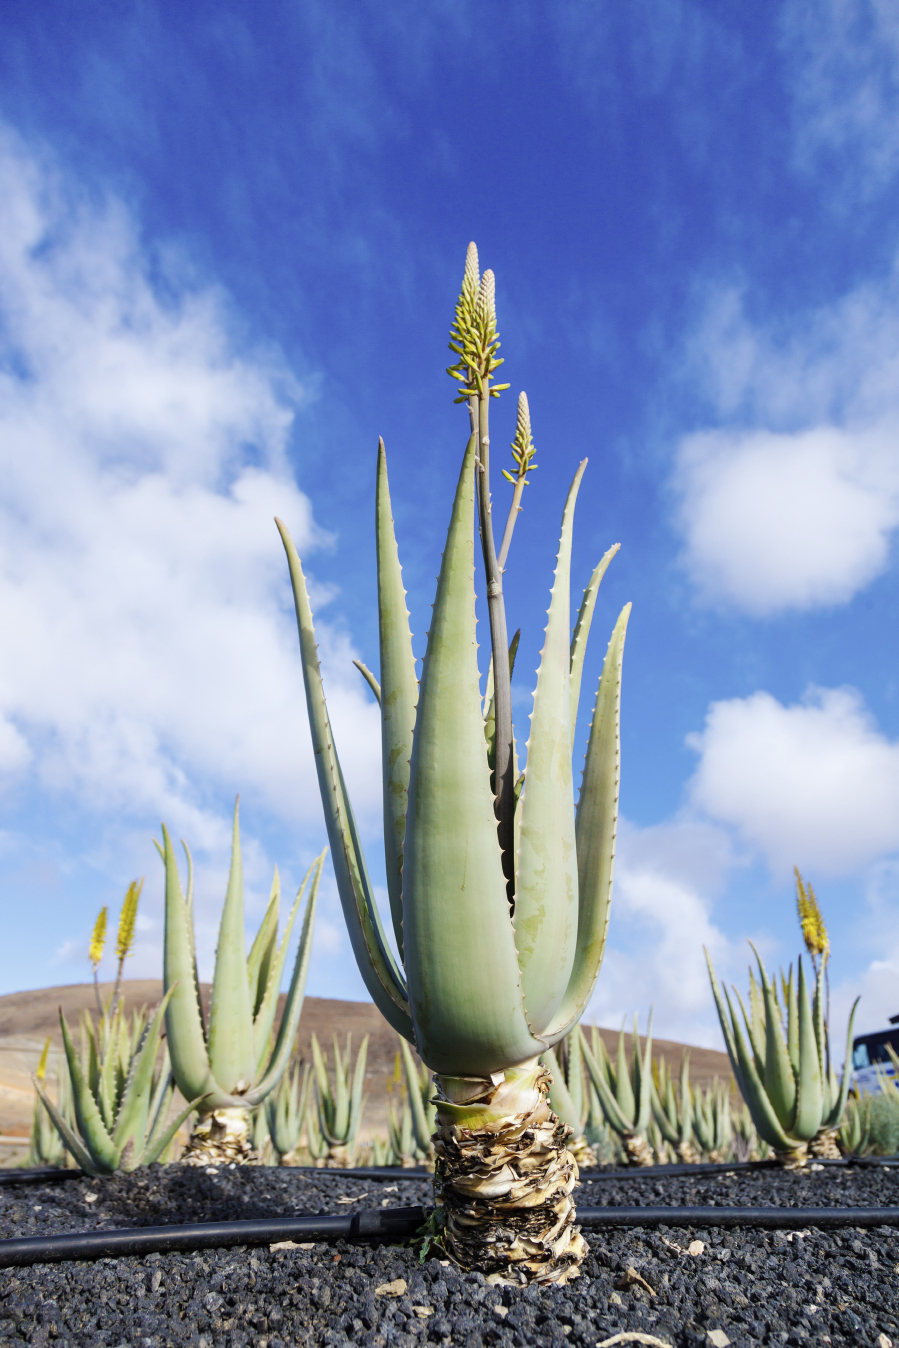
(232, 240)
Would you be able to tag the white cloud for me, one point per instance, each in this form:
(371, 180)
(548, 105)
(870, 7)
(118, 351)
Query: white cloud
(666, 878)
(843, 63)
(814, 784)
(775, 521)
(792, 501)
(150, 654)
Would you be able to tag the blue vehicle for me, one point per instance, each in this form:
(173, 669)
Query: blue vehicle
(871, 1061)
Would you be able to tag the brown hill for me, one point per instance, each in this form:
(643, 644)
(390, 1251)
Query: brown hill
(26, 1018)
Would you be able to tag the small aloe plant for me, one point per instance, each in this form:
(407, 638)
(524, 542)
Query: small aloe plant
(673, 1111)
(499, 884)
(712, 1122)
(45, 1146)
(625, 1093)
(569, 1094)
(340, 1104)
(783, 1063)
(120, 1095)
(236, 1061)
(286, 1110)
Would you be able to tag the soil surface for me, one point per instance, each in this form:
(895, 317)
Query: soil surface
(742, 1287)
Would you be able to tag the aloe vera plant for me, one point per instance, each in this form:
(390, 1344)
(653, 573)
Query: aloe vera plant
(236, 1061)
(340, 1103)
(286, 1111)
(783, 1063)
(121, 1094)
(499, 886)
(569, 1093)
(625, 1092)
(673, 1110)
(45, 1146)
(712, 1121)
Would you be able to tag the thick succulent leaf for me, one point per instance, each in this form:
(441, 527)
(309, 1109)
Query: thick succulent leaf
(264, 1018)
(376, 963)
(293, 1002)
(766, 1122)
(183, 1022)
(610, 1107)
(757, 1023)
(93, 1131)
(231, 1054)
(809, 1078)
(727, 1026)
(686, 1100)
(262, 951)
(134, 1113)
(624, 1085)
(582, 632)
(596, 827)
(70, 1138)
(163, 1094)
(157, 1144)
(667, 1127)
(341, 1126)
(357, 1101)
(574, 1078)
(399, 694)
(792, 1005)
(369, 679)
(780, 1084)
(836, 1113)
(413, 1086)
(461, 961)
(560, 1099)
(546, 887)
(642, 1077)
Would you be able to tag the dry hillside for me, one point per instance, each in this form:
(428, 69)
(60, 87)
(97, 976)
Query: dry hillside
(26, 1018)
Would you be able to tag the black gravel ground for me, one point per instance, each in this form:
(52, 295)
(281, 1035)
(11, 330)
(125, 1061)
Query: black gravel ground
(742, 1287)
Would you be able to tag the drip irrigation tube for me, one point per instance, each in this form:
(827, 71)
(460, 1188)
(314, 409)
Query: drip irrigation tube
(395, 1224)
(52, 1174)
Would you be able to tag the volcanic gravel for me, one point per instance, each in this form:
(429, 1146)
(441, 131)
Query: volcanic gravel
(743, 1287)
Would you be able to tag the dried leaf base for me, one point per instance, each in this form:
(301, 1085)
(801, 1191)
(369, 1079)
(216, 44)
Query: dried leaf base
(583, 1153)
(504, 1177)
(637, 1150)
(795, 1159)
(825, 1147)
(220, 1138)
(687, 1153)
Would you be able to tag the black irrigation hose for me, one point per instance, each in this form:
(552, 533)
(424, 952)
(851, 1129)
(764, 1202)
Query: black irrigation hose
(396, 1224)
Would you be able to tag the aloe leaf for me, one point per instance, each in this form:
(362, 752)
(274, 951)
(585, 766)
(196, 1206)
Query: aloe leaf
(596, 827)
(546, 889)
(357, 1103)
(163, 1094)
(413, 1085)
(399, 693)
(757, 1023)
(262, 951)
(94, 1133)
(231, 1056)
(341, 1091)
(560, 1100)
(369, 679)
(809, 1079)
(460, 955)
(667, 1128)
(135, 1108)
(610, 1107)
(293, 1003)
(792, 1006)
(582, 632)
(832, 1121)
(105, 1094)
(575, 1075)
(642, 1077)
(183, 1022)
(264, 1016)
(69, 1137)
(376, 963)
(624, 1086)
(686, 1101)
(767, 1123)
(158, 1145)
(728, 1026)
(779, 1082)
